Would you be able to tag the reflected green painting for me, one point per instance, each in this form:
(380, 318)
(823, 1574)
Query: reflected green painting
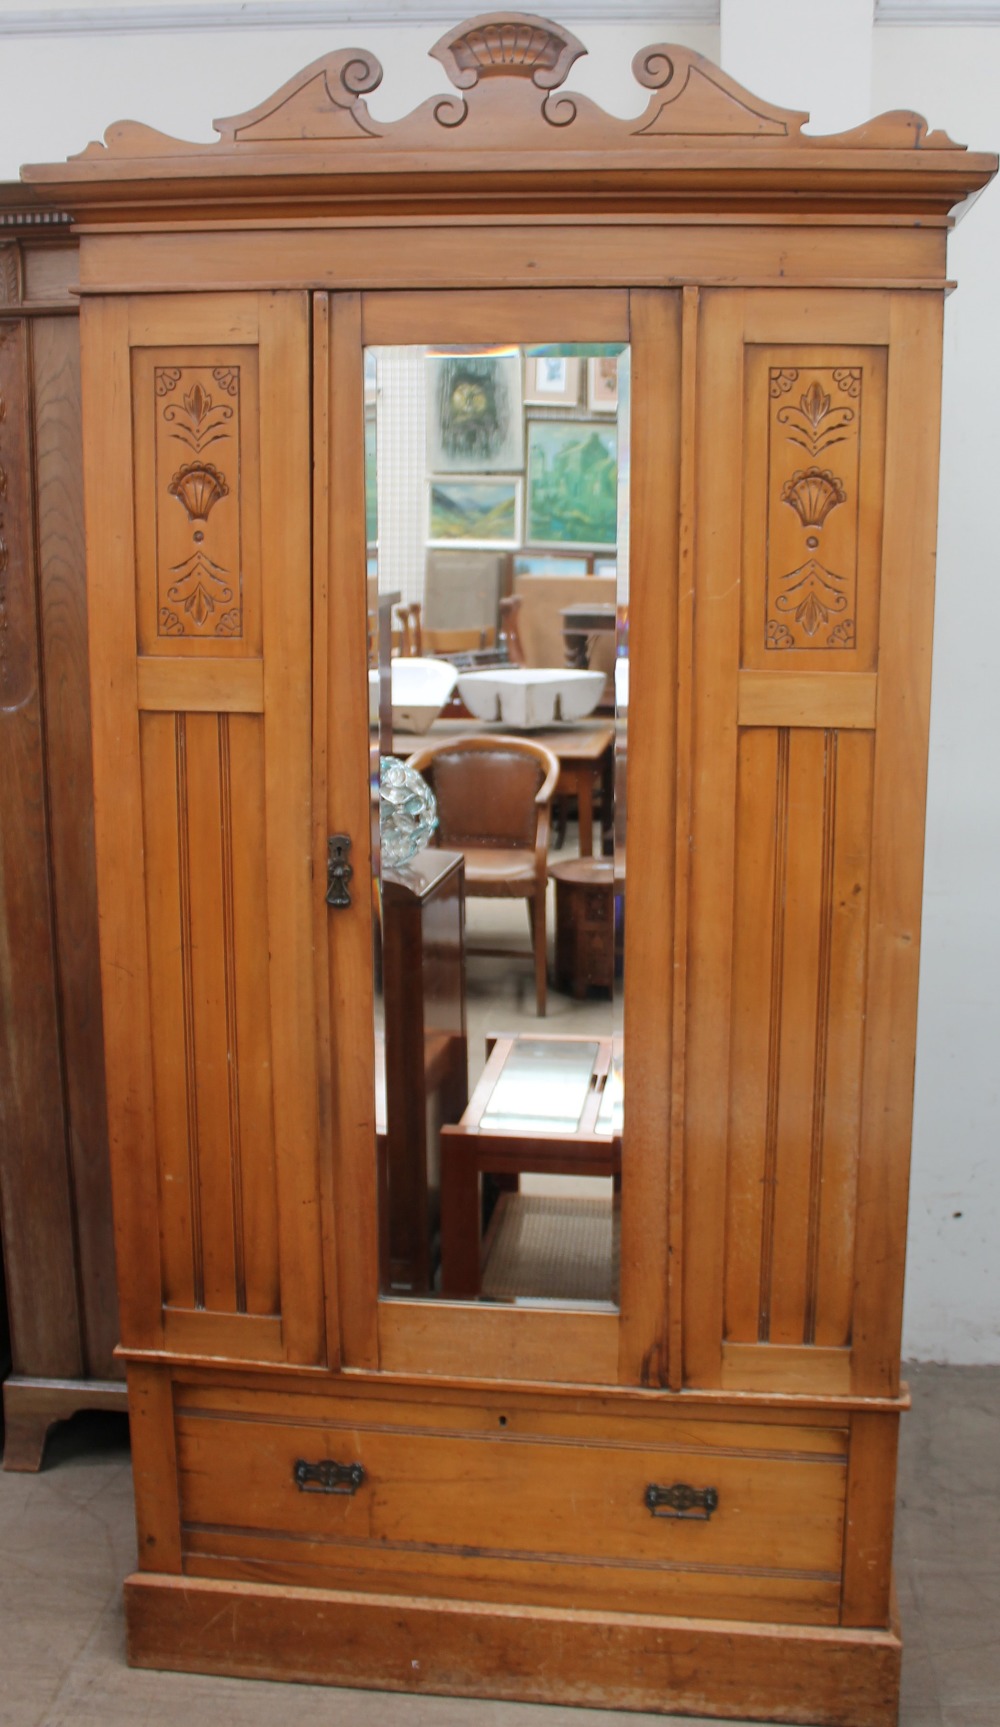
(572, 483)
(481, 512)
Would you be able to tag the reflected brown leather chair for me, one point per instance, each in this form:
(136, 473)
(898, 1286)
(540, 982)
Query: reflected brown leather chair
(494, 797)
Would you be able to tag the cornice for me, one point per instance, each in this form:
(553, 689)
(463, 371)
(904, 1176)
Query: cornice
(509, 130)
(315, 14)
(945, 12)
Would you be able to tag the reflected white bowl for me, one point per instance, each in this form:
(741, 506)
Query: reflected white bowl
(525, 697)
(420, 689)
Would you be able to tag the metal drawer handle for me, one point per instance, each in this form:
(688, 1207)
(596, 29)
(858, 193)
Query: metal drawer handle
(690, 1504)
(328, 1477)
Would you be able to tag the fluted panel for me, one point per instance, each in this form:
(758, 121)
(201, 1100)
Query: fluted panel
(803, 819)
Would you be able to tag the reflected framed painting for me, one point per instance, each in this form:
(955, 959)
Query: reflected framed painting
(552, 380)
(475, 421)
(572, 483)
(475, 512)
(602, 384)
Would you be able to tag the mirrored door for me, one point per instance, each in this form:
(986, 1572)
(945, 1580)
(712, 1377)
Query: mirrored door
(497, 514)
(486, 1183)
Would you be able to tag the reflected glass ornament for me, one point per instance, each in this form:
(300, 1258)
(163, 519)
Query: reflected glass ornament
(407, 811)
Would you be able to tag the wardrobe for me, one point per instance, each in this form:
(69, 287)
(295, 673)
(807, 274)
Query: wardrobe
(55, 1184)
(681, 1498)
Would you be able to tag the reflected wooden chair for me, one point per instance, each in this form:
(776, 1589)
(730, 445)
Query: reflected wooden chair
(494, 799)
(416, 639)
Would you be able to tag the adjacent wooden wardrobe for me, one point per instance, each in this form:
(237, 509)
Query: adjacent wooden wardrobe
(684, 1501)
(55, 1185)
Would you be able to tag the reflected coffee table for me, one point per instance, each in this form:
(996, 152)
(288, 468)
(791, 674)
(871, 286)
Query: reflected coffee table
(547, 1105)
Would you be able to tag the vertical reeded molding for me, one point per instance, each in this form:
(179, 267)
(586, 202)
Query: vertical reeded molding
(830, 741)
(690, 314)
(232, 1029)
(774, 1033)
(187, 988)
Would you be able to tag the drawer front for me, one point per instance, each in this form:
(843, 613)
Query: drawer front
(547, 1515)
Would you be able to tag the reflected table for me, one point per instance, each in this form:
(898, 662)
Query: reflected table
(549, 1105)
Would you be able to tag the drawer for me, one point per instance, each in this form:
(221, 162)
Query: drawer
(539, 1509)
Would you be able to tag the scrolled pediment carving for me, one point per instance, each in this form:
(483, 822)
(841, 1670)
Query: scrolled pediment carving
(323, 101)
(508, 111)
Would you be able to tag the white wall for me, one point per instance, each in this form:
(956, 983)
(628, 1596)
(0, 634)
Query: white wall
(953, 1292)
(59, 93)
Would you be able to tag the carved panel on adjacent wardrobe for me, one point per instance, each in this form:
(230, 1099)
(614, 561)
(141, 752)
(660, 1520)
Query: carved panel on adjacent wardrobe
(803, 841)
(10, 275)
(18, 679)
(813, 507)
(196, 438)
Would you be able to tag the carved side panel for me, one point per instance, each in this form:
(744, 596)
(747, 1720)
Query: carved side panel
(203, 812)
(10, 275)
(18, 670)
(813, 507)
(802, 870)
(196, 442)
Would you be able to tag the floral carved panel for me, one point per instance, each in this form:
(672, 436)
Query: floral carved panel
(815, 437)
(199, 588)
(195, 415)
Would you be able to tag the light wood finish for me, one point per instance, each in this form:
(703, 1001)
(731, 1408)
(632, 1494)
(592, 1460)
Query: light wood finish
(656, 347)
(696, 1666)
(778, 1521)
(118, 821)
(898, 808)
(321, 600)
(228, 903)
(154, 1469)
(709, 688)
(687, 539)
(753, 1366)
(588, 254)
(349, 934)
(435, 317)
(200, 686)
(498, 1342)
(780, 1001)
(868, 1587)
(783, 448)
(837, 701)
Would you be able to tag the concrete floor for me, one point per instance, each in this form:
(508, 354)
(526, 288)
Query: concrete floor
(67, 1540)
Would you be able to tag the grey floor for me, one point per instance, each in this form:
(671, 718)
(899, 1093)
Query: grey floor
(67, 1540)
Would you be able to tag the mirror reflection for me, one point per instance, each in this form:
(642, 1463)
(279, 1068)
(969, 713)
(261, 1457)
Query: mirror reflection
(497, 518)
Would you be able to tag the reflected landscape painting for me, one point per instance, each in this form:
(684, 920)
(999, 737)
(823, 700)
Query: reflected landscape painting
(572, 483)
(480, 512)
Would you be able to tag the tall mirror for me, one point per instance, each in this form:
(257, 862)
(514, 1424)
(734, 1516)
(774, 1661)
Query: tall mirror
(497, 520)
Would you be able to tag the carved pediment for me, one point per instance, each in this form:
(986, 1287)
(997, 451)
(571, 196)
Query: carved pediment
(508, 122)
(509, 69)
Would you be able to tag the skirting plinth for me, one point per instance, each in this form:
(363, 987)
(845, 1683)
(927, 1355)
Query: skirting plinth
(833, 1677)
